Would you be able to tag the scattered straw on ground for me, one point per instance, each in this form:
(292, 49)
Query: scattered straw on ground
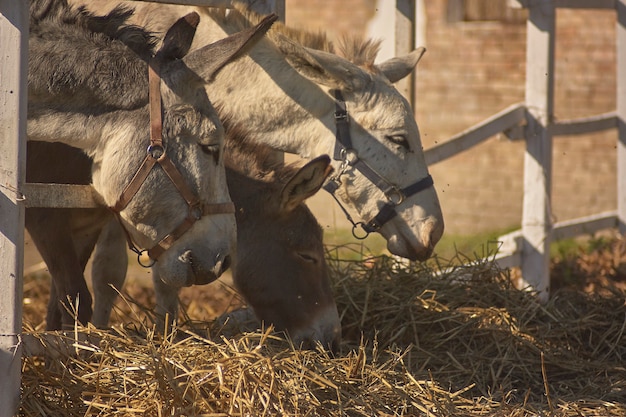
(463, 343)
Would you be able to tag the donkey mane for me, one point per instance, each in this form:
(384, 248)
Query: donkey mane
(84, 47)
(114, 24)
(355, 49)
(256, 160)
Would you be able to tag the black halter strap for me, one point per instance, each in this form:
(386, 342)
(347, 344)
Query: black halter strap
(345, 153)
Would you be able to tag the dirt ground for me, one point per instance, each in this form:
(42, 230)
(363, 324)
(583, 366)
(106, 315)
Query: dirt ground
(201, 303)
(599, 265)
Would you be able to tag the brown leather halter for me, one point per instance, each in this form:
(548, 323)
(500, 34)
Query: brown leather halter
(156, 154)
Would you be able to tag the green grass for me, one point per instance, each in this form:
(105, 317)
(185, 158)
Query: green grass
(343, 245)
(479, 245)
(450, 247)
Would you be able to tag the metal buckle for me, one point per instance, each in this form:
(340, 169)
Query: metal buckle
(341, 116)
(349, 156)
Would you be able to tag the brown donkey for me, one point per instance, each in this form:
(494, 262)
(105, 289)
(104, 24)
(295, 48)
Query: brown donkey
(280, 267)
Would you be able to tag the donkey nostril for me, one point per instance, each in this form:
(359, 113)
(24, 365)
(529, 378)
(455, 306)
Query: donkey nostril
(226, 263)
(222, 265)
(435, 234)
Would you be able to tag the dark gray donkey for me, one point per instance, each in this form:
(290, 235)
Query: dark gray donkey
(280, 266)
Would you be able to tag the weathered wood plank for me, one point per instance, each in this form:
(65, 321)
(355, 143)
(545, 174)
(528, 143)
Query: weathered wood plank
(13, 76)
(512, 244)
(536, 215)
(570, 4)
(61, 196)
(260, 6)
(208, 3)
(584, 225)
(584, 125)
(621, 115)
(405, 43)
(476, 134)
(508, 260)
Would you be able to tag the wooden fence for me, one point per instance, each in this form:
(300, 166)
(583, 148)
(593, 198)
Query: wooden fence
(531, 121)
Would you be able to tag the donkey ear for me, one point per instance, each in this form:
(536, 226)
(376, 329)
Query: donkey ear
(397, 68)
(322, 67)
(209, 60)
(178, 38)
(306, 182)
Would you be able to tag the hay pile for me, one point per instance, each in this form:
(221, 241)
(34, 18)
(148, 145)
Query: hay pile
(463, 343)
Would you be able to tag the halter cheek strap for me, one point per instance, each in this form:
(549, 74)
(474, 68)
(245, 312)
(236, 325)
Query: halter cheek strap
(156, 155)
(349, 158)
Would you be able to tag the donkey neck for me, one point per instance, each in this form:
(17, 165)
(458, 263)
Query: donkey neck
(302, 126)
(260, 92)
(274, 104)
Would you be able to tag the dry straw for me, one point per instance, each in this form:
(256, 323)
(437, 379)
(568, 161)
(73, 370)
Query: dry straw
(460, 343)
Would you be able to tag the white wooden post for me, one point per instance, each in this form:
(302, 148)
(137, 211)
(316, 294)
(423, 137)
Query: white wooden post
(621, 115)
(405, 43)
(13, 76)
(536, 212)
(266, 7)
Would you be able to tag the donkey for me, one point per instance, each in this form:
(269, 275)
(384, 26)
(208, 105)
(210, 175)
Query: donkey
(89, 87)
(280, 267)
(293, 93)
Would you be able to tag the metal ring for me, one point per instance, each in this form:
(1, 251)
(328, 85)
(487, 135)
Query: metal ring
(156, 151)
(196, 211)
(140, 262)
(395, 196)
(355, 234)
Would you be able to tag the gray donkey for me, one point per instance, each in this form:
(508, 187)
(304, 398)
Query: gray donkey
(97, 84)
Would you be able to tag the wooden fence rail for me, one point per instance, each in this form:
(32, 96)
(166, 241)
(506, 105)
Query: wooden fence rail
(500, 122)
(529, 247)
(13, 75)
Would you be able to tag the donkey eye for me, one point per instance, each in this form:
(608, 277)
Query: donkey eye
(399, 140)
(308, 257)
(210, 149)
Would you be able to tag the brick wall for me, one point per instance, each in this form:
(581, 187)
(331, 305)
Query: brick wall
(474, 69)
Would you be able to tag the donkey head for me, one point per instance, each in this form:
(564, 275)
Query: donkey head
(281, 270)
(193, 141)
(378, 151)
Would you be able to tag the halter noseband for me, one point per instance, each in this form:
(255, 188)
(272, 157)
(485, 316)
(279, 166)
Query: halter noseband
(156, 154)
(349, 157)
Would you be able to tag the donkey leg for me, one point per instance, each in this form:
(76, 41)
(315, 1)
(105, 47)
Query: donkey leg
(51, 232)
(53, 314)
(166, 302)
(108, 271)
